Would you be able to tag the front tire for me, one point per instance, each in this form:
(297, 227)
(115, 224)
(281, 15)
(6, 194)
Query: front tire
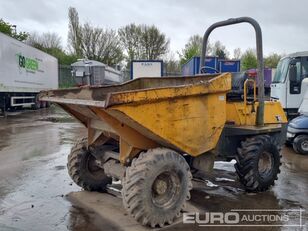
(83, 169)
(300, 144)
(156, 187)
(258, 162)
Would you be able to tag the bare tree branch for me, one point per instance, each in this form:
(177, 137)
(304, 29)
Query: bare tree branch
(143, 42)
(74, 36)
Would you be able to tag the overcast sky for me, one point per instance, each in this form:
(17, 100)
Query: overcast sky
(283, 22)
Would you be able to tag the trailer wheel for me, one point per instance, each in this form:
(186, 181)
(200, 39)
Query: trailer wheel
(47, 104)
(300, 144)
(258, 162)
(83, 169)
(36, 105)
(156, 187)
(43, 104)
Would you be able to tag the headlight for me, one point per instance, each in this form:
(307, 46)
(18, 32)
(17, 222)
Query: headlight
(290, 135)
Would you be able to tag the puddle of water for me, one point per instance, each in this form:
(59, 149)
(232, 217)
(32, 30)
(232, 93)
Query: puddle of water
(224, 165)
(34, 180)
(294, 161)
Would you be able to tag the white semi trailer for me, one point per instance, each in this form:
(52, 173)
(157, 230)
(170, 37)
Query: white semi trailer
(24, 72)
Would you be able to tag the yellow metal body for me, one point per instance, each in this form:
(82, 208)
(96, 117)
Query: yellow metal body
(189, 119)
(192, 124)
(241, 114)
(186, 114)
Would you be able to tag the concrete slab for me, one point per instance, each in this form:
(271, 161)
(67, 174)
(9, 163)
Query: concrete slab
(110, 208)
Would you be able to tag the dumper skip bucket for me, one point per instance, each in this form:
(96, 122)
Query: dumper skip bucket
(186, 114)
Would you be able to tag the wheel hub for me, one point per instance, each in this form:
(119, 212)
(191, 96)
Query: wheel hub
(93, 167)
(160, 186)
(165, 188)
(304, 145)
(265, 163)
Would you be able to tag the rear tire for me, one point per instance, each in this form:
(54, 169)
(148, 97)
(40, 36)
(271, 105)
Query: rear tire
(300, 144)
(43, 104)
(37, 104)
(156, 187)
(83, 170)
(47, 104)
(258, 162)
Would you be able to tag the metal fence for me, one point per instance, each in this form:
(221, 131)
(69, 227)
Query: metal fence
(65, 76)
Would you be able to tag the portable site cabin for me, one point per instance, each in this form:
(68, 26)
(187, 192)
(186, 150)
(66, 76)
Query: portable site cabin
(91, 72)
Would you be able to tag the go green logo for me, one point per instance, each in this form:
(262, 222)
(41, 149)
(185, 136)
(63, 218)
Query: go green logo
(27, 63)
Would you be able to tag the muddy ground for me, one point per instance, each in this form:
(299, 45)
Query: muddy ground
(34, 183)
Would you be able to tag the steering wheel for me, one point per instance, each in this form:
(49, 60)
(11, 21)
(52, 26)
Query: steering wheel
(204, 68)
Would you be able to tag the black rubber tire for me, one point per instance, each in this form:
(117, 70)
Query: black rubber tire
(79, 171)
(43, 104)
(36, 105)
(297, 144)
(294, 147)
(138, 186)
(288, 144)
(247, 166)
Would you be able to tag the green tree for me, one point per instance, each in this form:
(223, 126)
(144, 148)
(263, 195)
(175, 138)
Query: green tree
(44, 41)
(130, 37)
(62, 56)
(220, 50)
(192, 48)
(221, 54)
(249, 60)
(51, 44)
(272, 60)
(86, 41)
(143, 42)
(101, 45)
(172, 66)
(153, 42)
(9, 29)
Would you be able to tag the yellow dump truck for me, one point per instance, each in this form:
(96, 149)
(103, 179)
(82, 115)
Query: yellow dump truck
(151, 132)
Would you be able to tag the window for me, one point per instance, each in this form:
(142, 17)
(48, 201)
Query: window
(304, 67)
(295, 86)
(298, 68)
(282, 70)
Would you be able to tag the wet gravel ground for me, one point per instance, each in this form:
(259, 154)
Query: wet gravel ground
(34, 181)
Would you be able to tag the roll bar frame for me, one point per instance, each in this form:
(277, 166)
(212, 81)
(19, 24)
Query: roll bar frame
(256, 26)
